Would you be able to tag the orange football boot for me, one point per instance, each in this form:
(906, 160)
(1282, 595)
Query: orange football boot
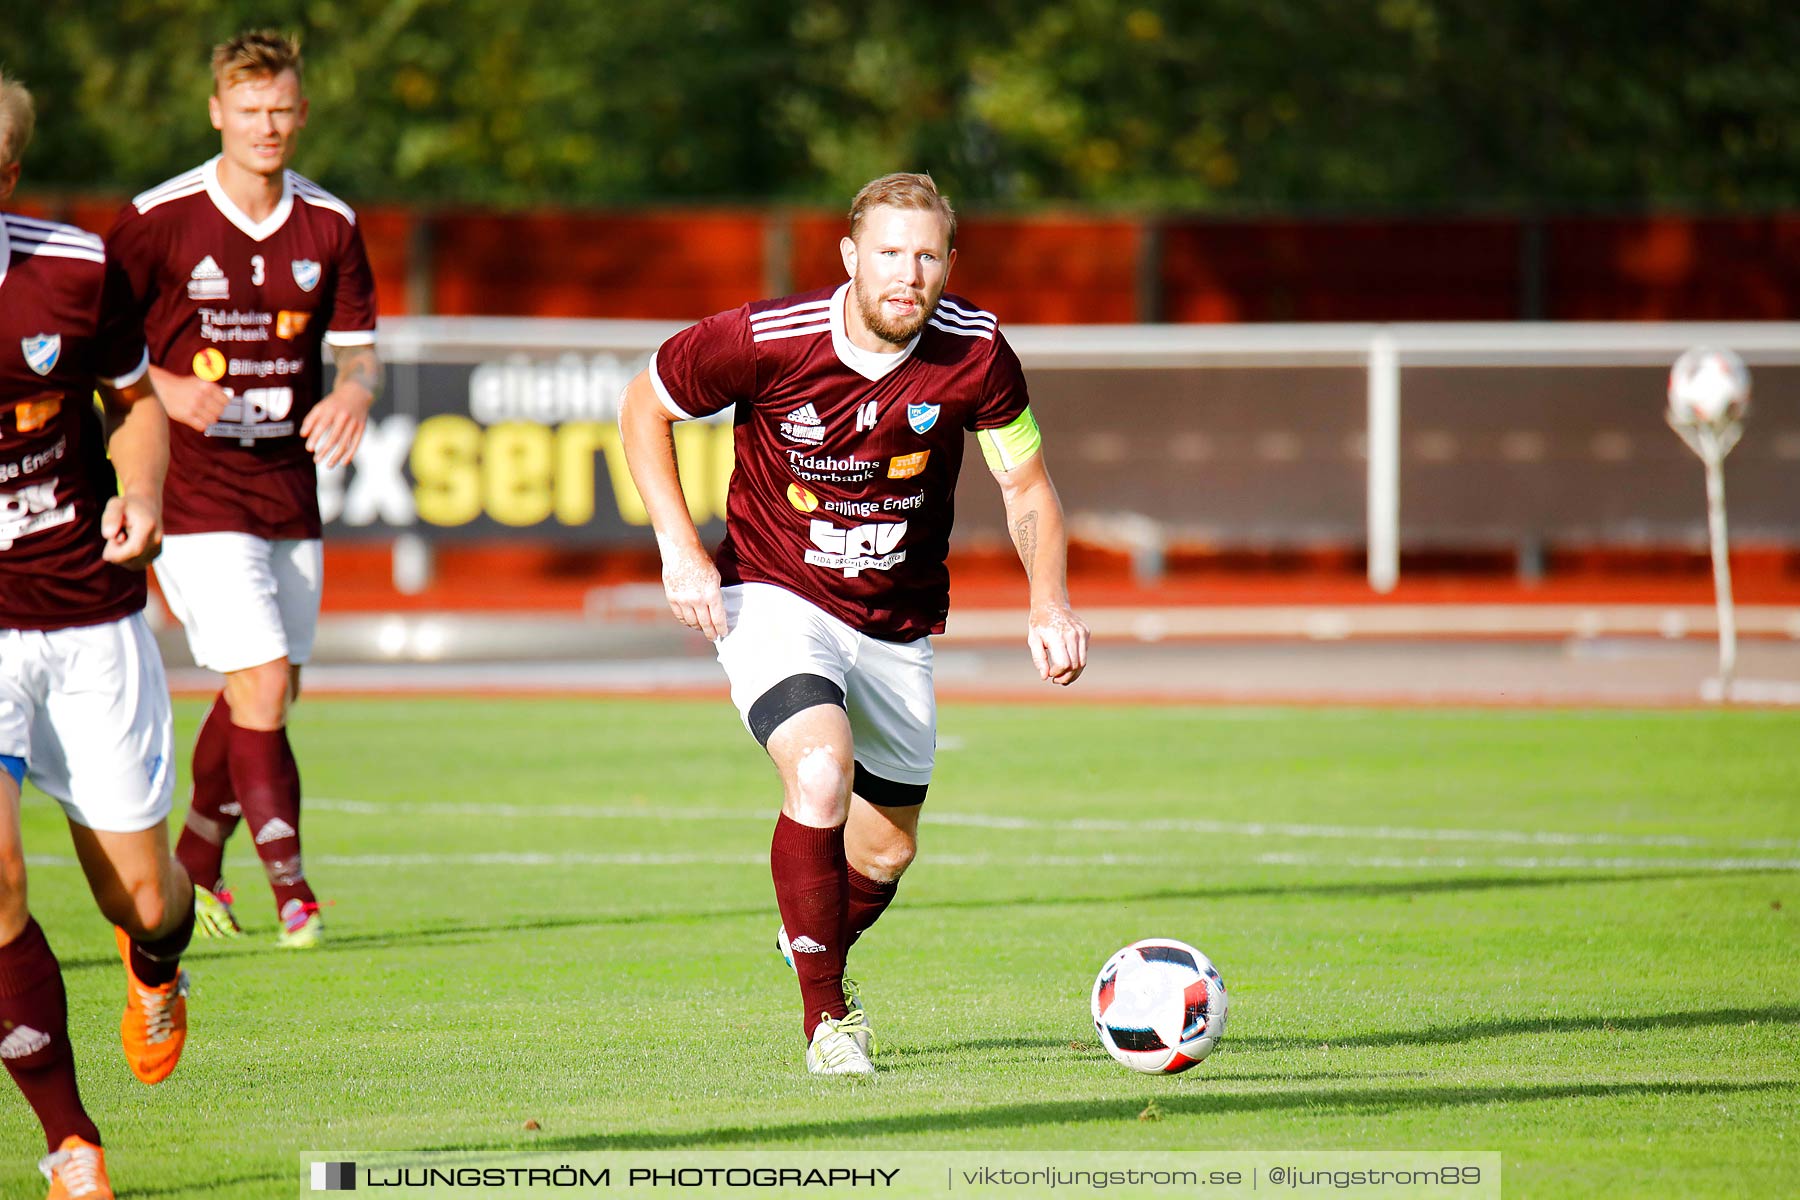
(154, 1026)
(76, 1171)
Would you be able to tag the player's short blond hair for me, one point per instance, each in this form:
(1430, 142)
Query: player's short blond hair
(901, 190)
(257, 54)
(18, 117)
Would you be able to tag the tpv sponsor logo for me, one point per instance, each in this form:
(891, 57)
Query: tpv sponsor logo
(860, 548)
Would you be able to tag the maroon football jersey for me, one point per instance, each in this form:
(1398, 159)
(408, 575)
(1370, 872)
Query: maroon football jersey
(246, 305)
(66, 322)
(846, 460)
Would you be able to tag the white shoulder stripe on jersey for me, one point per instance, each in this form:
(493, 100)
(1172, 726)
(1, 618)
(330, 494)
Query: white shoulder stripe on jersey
(796, 319)
(792, 308)
(318, 197)
(662, 393)
(40, 225)
(950, 318)
(183, 183)
(975, 315)
(775, 335)
(966, 331)
(58, 250)
(145, 205)
(55, 235)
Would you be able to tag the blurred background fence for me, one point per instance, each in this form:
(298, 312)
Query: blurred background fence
(1521, 443)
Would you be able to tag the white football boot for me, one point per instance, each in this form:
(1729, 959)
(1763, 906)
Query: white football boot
(861, 1030)
(835, 1050)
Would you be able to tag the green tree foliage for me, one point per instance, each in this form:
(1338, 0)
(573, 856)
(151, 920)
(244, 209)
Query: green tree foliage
(1210, 105)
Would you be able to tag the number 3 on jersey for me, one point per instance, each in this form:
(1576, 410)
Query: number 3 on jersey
(256, 270)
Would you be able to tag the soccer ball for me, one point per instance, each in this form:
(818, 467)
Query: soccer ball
(1159, 1006)
(1708, 386)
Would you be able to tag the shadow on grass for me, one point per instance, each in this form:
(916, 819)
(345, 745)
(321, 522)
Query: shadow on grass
(286, 1182)
(453, 934)
(256, 945)
(1470, 1031)
(1352, 889)
(1063, 1112)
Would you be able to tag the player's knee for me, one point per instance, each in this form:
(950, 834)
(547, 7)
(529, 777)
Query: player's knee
(887, 862)
(258, 697)
(820, 788)
(144, 911)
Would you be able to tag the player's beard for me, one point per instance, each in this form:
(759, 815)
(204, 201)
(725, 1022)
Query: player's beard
(895, 333)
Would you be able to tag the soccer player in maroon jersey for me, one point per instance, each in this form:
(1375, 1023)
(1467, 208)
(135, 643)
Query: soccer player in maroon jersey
(245, 269)
(84, 710)
(850, 407)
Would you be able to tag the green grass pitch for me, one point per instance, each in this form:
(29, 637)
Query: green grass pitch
(1572, 937)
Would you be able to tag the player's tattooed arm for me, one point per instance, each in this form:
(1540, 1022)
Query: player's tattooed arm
(358, 365)
(334, 428)
(1025, 537)
(1057, 638)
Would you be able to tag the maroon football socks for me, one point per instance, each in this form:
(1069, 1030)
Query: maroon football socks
(812, 892)
(266, 779)
(213, 811)
(34, 1037)
(869, 898)
(157, 962)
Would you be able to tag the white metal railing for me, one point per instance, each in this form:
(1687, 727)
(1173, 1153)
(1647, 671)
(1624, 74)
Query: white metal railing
(1383, 350)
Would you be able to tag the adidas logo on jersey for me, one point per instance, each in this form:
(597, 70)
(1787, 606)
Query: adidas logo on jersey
(805, 945)
(207, 282)
(274, 831)
(24, 1041)
(803, 425)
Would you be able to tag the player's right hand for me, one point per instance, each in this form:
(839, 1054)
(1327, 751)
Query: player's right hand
(191, 400)
(691, 583)
(132, 529)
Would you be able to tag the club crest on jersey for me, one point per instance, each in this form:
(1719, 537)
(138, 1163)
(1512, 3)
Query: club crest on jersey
(41, 351)
(922, 416)
(307, 274)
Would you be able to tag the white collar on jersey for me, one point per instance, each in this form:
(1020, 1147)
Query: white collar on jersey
(257, 230)
(5, 249)
(870, 364)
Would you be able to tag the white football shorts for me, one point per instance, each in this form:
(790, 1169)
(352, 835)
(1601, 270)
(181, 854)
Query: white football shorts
(243, 600)
(88, 710)
(773, 635)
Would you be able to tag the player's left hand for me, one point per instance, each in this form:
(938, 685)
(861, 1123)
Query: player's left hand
(334, 428)
(132, 529)
(1059, 642)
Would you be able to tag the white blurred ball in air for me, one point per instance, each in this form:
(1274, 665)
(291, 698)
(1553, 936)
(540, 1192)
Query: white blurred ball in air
(1708, 385)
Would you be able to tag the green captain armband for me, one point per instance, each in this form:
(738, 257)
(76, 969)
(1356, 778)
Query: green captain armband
(1010, 445)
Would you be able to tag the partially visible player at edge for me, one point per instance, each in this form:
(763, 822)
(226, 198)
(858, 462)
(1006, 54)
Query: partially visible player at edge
(84, 709)
(244, 269)
(850, 409)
